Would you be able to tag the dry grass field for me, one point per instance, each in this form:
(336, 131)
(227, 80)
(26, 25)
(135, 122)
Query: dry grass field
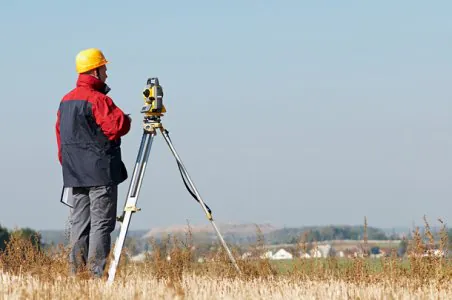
(26, 273)
(196, 287)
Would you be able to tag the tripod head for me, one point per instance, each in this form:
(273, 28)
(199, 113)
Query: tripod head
(153, 107)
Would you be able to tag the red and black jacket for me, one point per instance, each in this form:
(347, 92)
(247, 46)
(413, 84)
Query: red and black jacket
(89, 128)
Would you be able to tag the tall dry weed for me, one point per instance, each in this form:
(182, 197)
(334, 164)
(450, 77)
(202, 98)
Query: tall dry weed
(23, 256)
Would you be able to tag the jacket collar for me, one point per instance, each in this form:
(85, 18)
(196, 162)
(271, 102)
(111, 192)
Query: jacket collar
(92, 82)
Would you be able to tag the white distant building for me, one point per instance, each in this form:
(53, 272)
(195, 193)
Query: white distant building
(282, 254)
(325, 250)
(321, 251)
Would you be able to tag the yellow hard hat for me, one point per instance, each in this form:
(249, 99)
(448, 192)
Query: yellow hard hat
(89, 59)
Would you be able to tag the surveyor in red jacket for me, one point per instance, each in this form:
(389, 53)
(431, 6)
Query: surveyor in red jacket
(89, 128)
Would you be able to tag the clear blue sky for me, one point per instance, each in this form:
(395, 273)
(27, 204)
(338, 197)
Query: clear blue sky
(289, 112)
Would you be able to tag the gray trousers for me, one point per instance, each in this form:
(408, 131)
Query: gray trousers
(93, 219)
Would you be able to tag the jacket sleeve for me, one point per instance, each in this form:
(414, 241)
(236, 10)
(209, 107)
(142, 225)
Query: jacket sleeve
(57, 131)
(110, 118)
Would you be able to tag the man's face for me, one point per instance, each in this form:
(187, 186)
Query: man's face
(103, 73)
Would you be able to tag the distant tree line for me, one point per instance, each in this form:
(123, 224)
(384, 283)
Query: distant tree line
(324, 233)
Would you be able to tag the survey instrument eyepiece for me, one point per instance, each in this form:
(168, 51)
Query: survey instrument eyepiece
(153, 98)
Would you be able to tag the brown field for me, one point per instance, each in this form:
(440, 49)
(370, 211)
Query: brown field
(27, 273)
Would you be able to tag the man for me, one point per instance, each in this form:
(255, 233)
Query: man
(89, 128)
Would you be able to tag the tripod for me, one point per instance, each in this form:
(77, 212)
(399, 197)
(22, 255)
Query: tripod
(151, 124)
